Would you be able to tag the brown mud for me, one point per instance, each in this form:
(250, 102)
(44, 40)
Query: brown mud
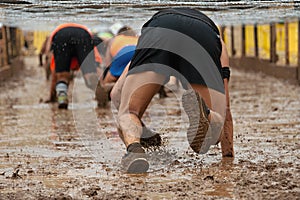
(46, 153)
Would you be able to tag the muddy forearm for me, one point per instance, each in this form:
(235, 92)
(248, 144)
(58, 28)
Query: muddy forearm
(227, 134)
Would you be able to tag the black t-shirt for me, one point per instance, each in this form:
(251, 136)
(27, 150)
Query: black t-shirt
(190, 13)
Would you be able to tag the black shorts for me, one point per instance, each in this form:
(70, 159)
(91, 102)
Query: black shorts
(73, 42)
(180, 42)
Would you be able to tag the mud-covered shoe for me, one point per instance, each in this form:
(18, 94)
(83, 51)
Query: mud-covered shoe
(135, 160)
(214, 133)
(150, 138)
(62, 99)
(197, 112)
(101, 96)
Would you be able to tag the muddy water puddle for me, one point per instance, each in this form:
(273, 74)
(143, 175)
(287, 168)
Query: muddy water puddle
(76, 153)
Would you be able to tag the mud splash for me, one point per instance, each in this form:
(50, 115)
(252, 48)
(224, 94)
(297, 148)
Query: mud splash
(75, 154)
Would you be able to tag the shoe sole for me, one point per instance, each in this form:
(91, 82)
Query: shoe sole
(137, 166)
(194, 107)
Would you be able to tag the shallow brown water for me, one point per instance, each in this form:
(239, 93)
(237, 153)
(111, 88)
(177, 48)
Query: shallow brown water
(75, 153)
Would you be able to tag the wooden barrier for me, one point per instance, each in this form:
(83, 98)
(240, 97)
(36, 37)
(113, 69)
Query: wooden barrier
(10, 51)
(3, 47)
(271, 49)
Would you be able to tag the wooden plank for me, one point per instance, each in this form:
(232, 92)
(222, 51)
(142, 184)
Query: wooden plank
(273, 56)
(1, 48)
(222, 31)
(286, 33)
(243, 41)
(256, 51)
(5, 52)
(232, 41)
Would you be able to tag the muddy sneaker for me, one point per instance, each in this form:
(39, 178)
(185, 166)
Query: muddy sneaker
(101, 96)
(214, 133)
(212, 137)
(135, 161)
(62, 99)
(149, 138)
(196, 110)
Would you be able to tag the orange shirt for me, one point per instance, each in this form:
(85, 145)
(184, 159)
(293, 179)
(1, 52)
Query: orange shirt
(121, 41)
(68, 25)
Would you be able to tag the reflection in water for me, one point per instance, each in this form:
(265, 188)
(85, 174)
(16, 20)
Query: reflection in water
(63, 128)
(225, 186)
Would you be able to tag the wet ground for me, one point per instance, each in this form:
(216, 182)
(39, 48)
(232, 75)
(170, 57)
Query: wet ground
(75, 153)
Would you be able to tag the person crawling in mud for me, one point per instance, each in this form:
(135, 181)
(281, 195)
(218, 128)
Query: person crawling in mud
(49, 64)
(119, 52)
(184, 43)
(71, 45)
